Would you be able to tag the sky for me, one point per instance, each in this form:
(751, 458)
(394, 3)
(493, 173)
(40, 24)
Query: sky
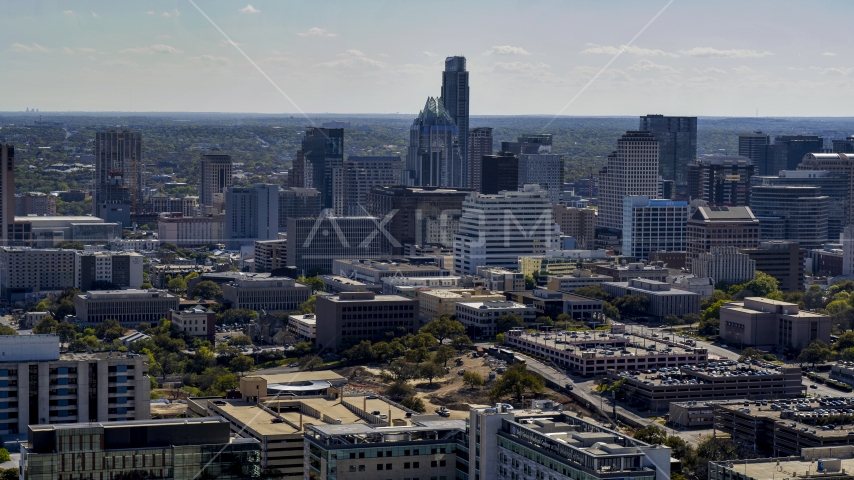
(679, 57)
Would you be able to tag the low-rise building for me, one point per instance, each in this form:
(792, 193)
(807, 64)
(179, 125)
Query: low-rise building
(271, 255)
(768, 324)
(157, 274)
(843, 371)
(350, 317)
(374, 271)
(270, 293)
(561, 262)
(338, 284)
(702, 286)
(577, 279)
(303, 327)
(190, 231)
(725, 264)
(663, 300)
(481, 318)
(171, 448)
(693, 414)
(391, 285)
(32, 318)
(128, 307)
(436, 303)
(624, 273)
(196, 321)
(500, 279)
(826, 261)
(810, 463)
(552, 303)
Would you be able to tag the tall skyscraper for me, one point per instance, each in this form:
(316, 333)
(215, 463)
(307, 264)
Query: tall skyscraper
(500, 172)
(321, 152)
(836, 163)
(795, 213)
(480, 145)
(251, 213)
(7, 193)
(844, 146)
(356, 178)
(720, 180)
(651, 226)
(632, 169)
(752, 145)
(537, 164)
(433, 158)
(296, 202)
(118, 173)
(787, 151)
(677, 145)
(455, 98)
(215, 170)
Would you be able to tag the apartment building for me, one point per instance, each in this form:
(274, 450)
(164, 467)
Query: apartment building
(297, 202)
(266, 293)
(120, 269)
(481, 318)
(190, 232)
(358, 175)
(303, 327)
(35, 203)
(195, 321)
(837, 164)
(350, 317)
(42, 386)
(26, 271)
(270, 255)
(624, 273)
(578, 223)
(771, 324)
(725, 264)
(129, 307)
(251, 213)
(720, 180)
(215, 168)
(711, 227)
(171, 448)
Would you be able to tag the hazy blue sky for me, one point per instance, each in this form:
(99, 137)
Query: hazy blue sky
(525, 57)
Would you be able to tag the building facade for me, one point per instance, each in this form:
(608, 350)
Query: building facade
(752, 145)
(313, 243)
(215, 170)
(481, 318)
(434, 158)
(677, 144)
(787, 152)
(711, 227)
(270, 255)
(266, 293)
(791, 213)
(578, 223)
(358, 176)
(35, 203)
(499, 172)
(350, 317)
(190, 231)
(480, 145)
(7, 194)
(663, 300)
(120, 269)
(321, 152)
(251, 214)
(196, 322)
(455, 98)
(783, 260)
(725, 264)
(118, 172)
(653, 226)
(496, 229)
(296, 202)
(835, 163)
(720, 180)
(764, 323)
(128, 307)
(631, 170)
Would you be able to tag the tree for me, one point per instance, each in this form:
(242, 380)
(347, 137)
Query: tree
(71, 245)
(517, 380)
(594, 291)
(360, 352)
(418, 355)
(749, 354)
(236, 315)
(443, 328)
(499, 339)
(46, 325)
(473, 380)
(652, 434)
(316, 283)
(443, 354)
(239, 340)
(303, 348)
(206, 290)
(176, 285)
(241, 364)
(610, 310)
(201, 360)
(84, 343)
(421, 339)
(66, 331)
(110, 329)
(691, 318)
(413, 403)
(400, 389)
(816, 352)
(461, 342)
(672, 320)
(762, 285)
(308, 306)
(530, 282)
(509, 321)
(7, 330)
(845, 341)
(632, 305)
(309, 362)
(399, 370)
(430, 370)
(545, 321)
(191, 276)
(716, 296)
(9, 474)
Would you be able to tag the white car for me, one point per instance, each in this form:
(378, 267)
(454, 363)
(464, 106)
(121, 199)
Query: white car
(507, 406)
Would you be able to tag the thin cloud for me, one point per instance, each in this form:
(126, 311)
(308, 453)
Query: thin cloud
(173, 13)
(353, 52)
(833, 71)
(226, 43)
(249, 9)
(428, 54)
(646, 65)
(317, 32)
(85, 49)
(68, 12)
(522, 68)
(95, 15)
(215, 59)
(828, 54)
(34, 48)
(742, 69)
(709, 52)
(151, 12)
(355, 60)
(67, 50)
(595, 49)
(506, 50)
(160, 48)
(710, 70)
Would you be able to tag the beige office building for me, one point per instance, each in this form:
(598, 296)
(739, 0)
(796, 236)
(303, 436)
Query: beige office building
(216, 168)
(435, 303)
(129, 307)
(190, 231)
(725, 264)
(579, 223)
(266, 293)
(764, 323)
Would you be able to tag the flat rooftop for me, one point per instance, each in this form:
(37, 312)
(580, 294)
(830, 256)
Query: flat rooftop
(275, 375)
(126, 423)
(600, 342)
(785, 467)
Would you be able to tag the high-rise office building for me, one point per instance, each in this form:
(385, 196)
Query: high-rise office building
(118, 174)
(832, 185)
(320, 153)
(313, 243)
(653, 226)
(251, 213)
(422, 215)
(297, 202)
(837, 163)
(496, 229)
(537, 164)
(845, 145)
(783, 260)
(631, 170)
(677, 144)
(752, 145)
(712, 227)
(798, 214)
(358, 176)
(578, 223)
(455, 98)
(480, 145)
(787, 152)
(434, 154)
(7, 193)
(215, 170)
(499, 172)
(720, 180)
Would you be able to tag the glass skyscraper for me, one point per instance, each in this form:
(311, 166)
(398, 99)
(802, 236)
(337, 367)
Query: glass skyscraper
(677, 145)
(455, 99)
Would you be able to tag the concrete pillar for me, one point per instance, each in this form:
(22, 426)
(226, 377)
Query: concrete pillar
(82, 392)
(44, 393)
(103, 388)
(142, 390)
(23, 397)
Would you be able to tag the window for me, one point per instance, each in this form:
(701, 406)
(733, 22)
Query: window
(406, 465)
(414, 464)
(388, 466)
(434, 463)
(379, 466)
(361, 468)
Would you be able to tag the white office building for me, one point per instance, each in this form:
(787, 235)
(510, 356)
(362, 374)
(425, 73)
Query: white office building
(654, 226)
(496, 229)
(481, 318)
(724, 264)
(631, 170)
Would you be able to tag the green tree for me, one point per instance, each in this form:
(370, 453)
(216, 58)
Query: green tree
(473, 380)
(417, 355)
(499, 339)
(110, 329)
(421, 339)
(530, 282)
(303, 348)
(202, 359)
(84, 343)
(652, 434)
(399, 389)
(672, 320)
(443, 354)
(610, 311)
(691, 318)
(399, 370)
(236, 315)
(413, 403)
(517, 381)
(66, 331)
(7, 330)
(308, 306)
(750, 353)
(176, 285)
(240, 340)
(310, 362)
(443, 328)
(461, 342)
(241, 364)
(544, 320)
(509, 321)
(761, 286)
(46, 325)
(716, 296)
(593, 291)
(206, 290)
(316, 283)
(632, 305)
(430, 370)
(360, 352)
(845, 341)
(9, 474)
(816, 352)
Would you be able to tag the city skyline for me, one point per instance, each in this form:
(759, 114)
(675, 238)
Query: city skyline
(168, 57)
